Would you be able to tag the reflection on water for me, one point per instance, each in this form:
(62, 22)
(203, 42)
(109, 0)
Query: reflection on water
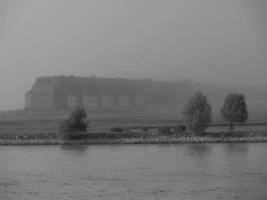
(198, 149)
(236, 148)
(121, 172)
(74, 149)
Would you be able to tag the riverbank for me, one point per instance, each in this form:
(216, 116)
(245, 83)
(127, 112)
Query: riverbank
(152, 140)
(46, 133)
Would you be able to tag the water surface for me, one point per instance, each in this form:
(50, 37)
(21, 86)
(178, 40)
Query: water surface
(167, 172)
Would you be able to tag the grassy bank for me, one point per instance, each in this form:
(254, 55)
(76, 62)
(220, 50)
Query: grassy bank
(136, 138)
(155, 140)
(102, 132)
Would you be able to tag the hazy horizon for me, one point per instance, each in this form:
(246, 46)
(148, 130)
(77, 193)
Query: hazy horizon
(211, 41)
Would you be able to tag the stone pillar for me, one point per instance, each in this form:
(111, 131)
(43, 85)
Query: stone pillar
(116, 100)
(28, 100)
(99, 101)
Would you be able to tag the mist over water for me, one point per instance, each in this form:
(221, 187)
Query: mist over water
(211, 41)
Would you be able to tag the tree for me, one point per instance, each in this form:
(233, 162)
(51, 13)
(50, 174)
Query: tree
(197, 113)
(234, 109)
(75, 125)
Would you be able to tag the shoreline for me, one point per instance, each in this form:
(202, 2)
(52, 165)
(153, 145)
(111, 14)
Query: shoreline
(153, 140)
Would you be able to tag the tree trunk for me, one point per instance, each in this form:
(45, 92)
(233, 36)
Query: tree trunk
(231, 126)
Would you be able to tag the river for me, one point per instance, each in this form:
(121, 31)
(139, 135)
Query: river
(134, 172)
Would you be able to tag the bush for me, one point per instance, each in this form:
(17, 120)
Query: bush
(165, 131)
(74, 126)
(179, 129)
(116, 129)
(197, 113)
(169, 131)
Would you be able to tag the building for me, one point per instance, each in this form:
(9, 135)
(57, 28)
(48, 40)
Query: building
(67, 92)
(94, 93)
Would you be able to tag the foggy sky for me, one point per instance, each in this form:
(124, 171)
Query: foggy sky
(211, 41)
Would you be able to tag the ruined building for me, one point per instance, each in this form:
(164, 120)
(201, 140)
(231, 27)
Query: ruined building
(94, 93)
(67, 92)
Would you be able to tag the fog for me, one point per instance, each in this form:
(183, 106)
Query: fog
(211, 41)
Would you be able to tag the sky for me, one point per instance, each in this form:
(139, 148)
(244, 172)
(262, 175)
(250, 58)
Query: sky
(210, 41)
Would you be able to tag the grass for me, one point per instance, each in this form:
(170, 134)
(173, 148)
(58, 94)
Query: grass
(125, 127)
(129, 132)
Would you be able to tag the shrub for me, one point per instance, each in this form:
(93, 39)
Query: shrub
(165, 131)
(234, 109)
(197, 113)
(74, 126)
(117, 129)
(179, 129)
(145, 129)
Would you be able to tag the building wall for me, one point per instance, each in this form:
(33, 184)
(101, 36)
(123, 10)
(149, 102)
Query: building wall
(139, 100)
(28, 101)
(124, 100)
(70, 92)
(43, 84)
(108, 101)
(72, 101)
(90, 101)
(45, 99)
(40, 100)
